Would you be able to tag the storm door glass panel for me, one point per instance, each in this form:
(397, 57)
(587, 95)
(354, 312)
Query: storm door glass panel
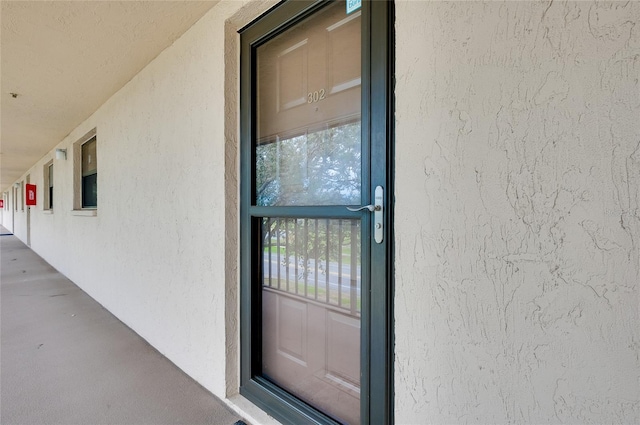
(319, 166)
(308, 148)
(308, 153)
(311, 301)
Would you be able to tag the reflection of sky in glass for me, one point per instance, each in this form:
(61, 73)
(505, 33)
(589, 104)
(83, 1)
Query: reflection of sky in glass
(318, 168)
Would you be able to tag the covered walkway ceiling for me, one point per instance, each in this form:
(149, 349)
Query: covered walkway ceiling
(61, 60)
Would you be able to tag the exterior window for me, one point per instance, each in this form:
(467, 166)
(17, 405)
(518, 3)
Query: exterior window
(89, 174)
(48, 186)
(85, 175)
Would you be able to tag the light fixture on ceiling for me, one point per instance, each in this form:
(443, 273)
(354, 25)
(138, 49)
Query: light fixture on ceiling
(16, 185)
(61, 154)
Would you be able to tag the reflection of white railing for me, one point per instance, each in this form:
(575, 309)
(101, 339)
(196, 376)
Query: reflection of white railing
(316, 259)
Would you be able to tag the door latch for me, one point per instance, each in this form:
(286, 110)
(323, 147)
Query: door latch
(377, 209)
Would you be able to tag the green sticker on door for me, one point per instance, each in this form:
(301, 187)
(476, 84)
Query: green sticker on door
(353, 5)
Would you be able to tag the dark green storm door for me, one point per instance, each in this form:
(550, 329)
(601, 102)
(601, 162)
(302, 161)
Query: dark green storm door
(316, 146)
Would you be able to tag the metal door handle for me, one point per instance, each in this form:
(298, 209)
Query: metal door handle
(378, 218)
(371, 208)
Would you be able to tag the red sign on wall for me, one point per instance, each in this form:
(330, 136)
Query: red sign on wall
(1, 203)
(31, 194)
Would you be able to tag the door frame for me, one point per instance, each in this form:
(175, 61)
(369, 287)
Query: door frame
(377, 309)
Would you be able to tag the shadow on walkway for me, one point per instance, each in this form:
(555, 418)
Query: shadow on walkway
(67, 360)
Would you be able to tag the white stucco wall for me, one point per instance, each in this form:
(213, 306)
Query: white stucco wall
(517, 213)
(7, 213)
(154, 254)
(517, 209)
(18, 210)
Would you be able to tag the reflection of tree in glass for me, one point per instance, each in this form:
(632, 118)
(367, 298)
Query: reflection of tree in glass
(319, 168)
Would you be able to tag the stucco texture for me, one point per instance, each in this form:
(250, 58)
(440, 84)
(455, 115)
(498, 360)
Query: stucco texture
(161, 250)
(154, 253)
(517, 209)
(517, 213)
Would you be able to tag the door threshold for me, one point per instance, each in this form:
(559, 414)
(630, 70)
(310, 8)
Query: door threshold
(249, 411)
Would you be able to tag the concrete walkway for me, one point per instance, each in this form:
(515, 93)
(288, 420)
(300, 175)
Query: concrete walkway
(66, 360)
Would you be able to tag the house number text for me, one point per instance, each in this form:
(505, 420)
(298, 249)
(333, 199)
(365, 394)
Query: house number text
(316, 96)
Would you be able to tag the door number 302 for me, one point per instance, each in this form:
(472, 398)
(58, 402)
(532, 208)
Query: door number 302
(316, 96)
